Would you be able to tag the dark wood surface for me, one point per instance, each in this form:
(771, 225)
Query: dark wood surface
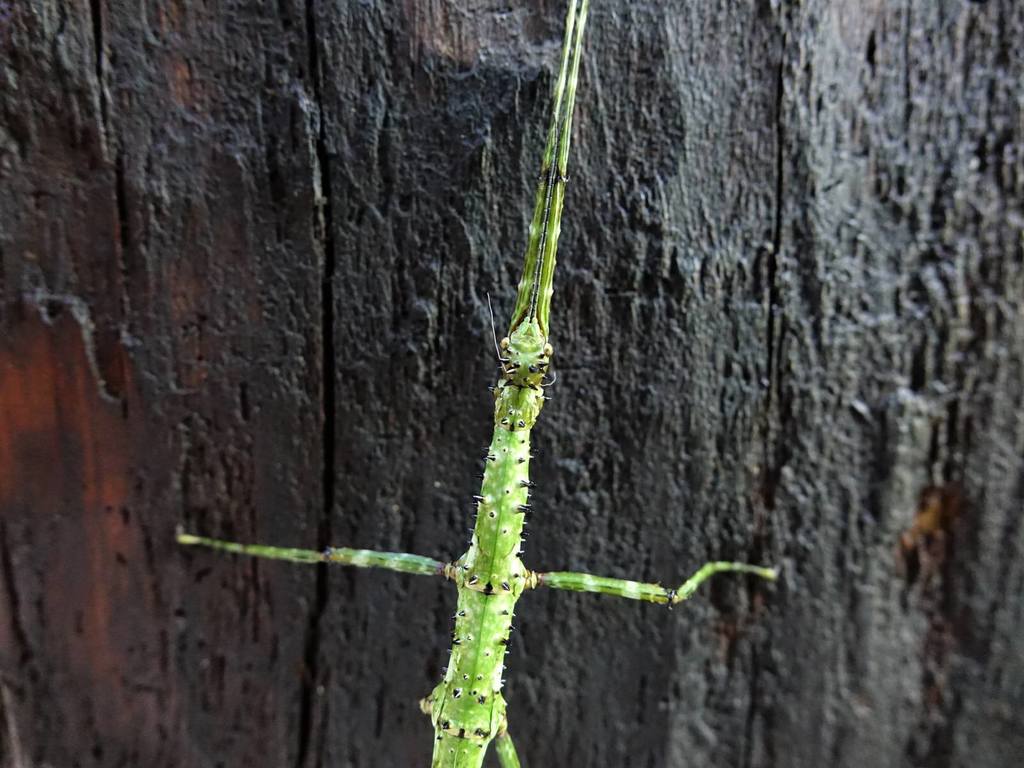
(245, 251)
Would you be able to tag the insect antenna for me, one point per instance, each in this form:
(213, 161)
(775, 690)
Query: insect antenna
(494, 334)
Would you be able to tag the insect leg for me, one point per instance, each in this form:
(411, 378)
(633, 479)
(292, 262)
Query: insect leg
(361, 558)
(506, 751)
(706, 571)
(639, 590)
(588, 582)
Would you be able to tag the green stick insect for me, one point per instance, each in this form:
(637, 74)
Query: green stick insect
(467, 708)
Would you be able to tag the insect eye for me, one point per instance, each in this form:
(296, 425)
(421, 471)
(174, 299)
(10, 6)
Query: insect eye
(505, 342)
(548, 350)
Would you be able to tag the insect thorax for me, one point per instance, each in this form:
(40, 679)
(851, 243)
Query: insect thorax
(519, 396)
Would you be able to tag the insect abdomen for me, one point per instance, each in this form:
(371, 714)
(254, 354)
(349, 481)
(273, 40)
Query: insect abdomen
(467, 707)
(454, 752)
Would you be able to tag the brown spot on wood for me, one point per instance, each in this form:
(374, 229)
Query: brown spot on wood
(68, 465)
(727, 633)
(435, 32)
(925, 545)
(469, 32)
(926, 557)
(181, 82)
(170, 16)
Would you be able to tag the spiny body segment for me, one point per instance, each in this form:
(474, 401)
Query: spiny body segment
(467, 708)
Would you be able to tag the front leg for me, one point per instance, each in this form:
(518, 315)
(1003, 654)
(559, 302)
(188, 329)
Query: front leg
(360, 558)
(646, 591)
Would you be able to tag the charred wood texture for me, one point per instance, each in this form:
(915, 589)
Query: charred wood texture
(244, 255)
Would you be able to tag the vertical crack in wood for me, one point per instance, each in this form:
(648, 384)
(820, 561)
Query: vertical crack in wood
(123, 232)
(773, 257)
(12, 754)
(96, 12)
(775, 450)
(323, 229)
(13, 598)
(773, 345)
(908, 96)
(748, 725)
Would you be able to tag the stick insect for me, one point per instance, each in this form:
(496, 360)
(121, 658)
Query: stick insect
(466, 708)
